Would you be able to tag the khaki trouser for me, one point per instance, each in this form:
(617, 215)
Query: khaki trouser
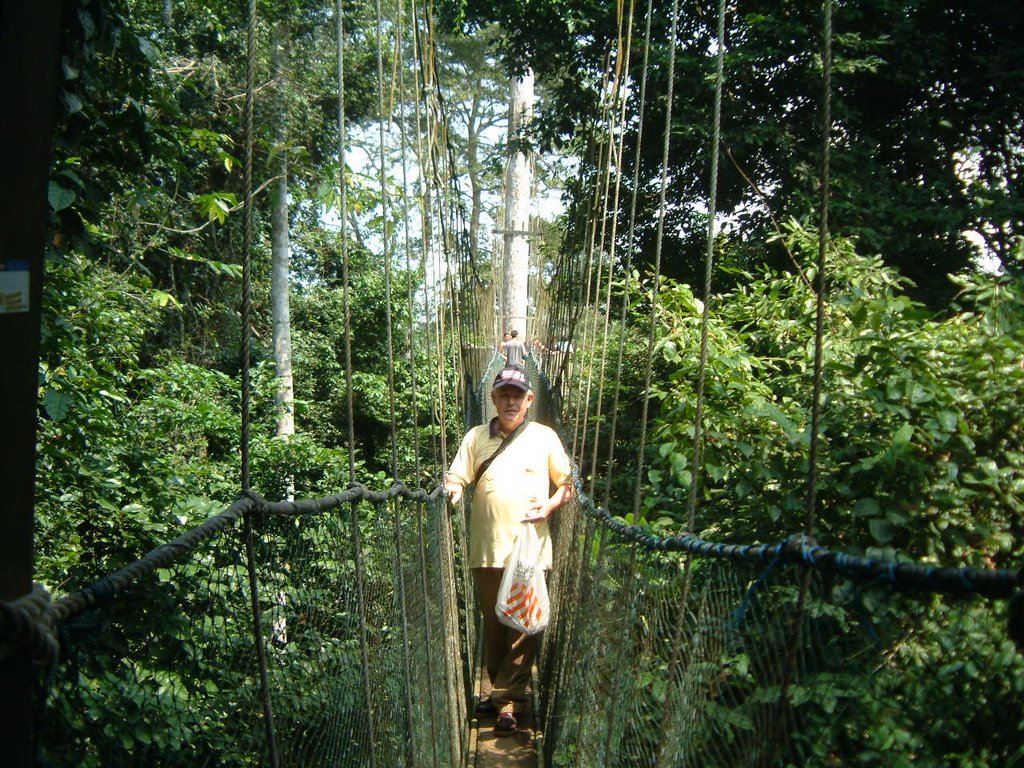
(508, 653)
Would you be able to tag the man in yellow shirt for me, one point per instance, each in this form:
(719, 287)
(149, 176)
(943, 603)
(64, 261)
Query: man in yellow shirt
(514, 464)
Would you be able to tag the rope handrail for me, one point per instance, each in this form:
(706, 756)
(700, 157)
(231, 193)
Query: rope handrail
(30, 620)
(26, 623)
(21, 625)
(998, 583)
(801, 549)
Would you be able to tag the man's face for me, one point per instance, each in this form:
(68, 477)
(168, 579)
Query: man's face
(512, 404)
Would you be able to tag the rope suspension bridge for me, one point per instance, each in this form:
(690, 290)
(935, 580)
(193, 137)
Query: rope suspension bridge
(342, 630)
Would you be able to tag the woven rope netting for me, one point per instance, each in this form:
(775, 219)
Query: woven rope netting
(179, 639)
(677, 651)
(741, 673)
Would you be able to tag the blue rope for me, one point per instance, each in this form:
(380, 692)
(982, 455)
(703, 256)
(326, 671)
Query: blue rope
(740, 613)
(802, 550)
(865, 618)
(904, 576)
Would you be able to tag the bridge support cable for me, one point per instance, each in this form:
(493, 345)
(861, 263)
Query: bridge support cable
(616, 121)
(384, 115)
(596, 259)
(246, 311)
(656, 279)
(627, 269)
(820, 289)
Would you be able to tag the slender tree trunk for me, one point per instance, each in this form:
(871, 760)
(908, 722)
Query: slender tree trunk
(281, 255)
(518, 184)
(280, 282)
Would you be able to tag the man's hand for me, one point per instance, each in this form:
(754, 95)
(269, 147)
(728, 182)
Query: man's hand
(538, 513)
(454, 491)
(542, 509)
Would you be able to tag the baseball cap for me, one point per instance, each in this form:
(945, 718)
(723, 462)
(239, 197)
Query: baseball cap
(513, 376)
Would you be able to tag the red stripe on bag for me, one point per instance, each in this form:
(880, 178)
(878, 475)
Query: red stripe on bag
(523, 604)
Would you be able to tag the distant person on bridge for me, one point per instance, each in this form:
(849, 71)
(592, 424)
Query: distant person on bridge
(514, 350)
(513, 464)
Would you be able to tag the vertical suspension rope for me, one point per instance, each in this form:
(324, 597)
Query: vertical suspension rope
(437, 245)
(424, 54)
(657, 259)
(347, 309)
(438, 445)
(250, 78)
(678, 653)
(594, 277)
(579, 427)
(789, 668)
(620, 700)
(628, 270)
(604, 253)
(447, 179)
(620, 98)
(407, 247)
(250, 547)
(709, 265)
(569, 301)
(422, 273)
(820, 278)
(382, 173)
(399, 556)
(343, 216)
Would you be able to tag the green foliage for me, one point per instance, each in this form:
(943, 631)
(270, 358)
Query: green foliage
(925, 103)
(88, 498)
(920, 455)
(919, 448)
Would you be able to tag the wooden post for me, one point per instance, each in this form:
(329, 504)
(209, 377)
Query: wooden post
(29, 36)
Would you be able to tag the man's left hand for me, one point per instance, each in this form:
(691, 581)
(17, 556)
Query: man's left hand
(537, 514)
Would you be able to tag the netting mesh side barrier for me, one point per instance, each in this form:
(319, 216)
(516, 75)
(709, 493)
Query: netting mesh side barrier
(684, 652)
(658, 658)
(162, 672)
(366, 646)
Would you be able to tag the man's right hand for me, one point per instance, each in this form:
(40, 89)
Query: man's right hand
(454, 491)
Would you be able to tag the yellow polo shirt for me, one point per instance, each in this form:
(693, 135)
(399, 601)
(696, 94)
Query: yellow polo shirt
(519, 478)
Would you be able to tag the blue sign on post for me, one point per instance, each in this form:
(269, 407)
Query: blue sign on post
(14, 282)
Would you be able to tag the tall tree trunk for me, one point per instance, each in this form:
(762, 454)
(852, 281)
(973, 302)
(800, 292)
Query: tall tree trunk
(518, 183)
(280, 283)
(473, 171)
(281, 252)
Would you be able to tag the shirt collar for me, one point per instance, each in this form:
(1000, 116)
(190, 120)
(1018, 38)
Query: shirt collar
(494, 428)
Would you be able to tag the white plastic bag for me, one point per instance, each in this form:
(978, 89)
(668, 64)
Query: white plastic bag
(523, 595)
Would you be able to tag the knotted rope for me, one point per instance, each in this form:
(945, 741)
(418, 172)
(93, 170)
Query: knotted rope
(31, 621)
(28, 623)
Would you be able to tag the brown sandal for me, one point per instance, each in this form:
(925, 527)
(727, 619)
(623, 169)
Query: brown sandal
(506, 724)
